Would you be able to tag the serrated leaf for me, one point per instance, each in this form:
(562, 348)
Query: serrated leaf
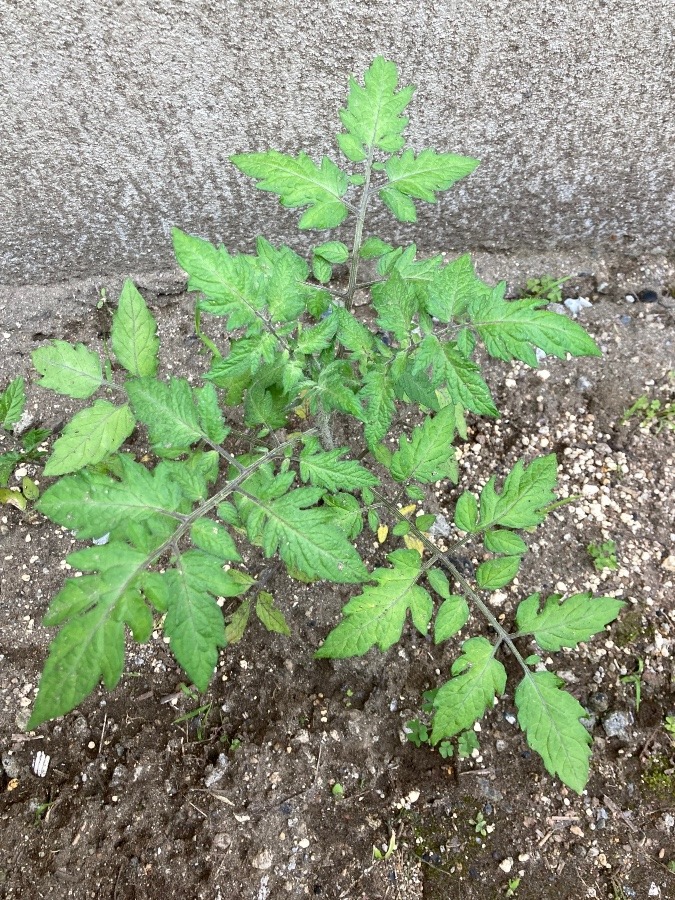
(344, 511)
(495, 573)
(460, 376)
(378, 394)
(332, 251)
(424, 522)
(213, 538)
(210, 415)
(504, 542)
(372, 117)
(169, 412)
(550, 717)
(466, 513)
(327, 470)
(235, 628)
(401, 528)
(68, 369)
(478, 676)
(394, 300)
(12, 403)
(8, 462)
(351, 333)
(89, 437)
(452, 615)
(376, 617)
(428, 455)
(299, 182)
(318, 337)
(193, 474)
(424, 175)
(92, 504)
(271, 617)
(301, 536)
(335, 388)
(566, 623)
(134, 333)
(512, 329)
(527, 492)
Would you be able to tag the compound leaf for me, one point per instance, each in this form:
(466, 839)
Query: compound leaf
(376, 617)
(134, 333)
(512, 329)
(373, 114)
(69, 369)
(526, 493)
(89, 437)
(478, 676)
(12, 403)
(565, 624)
(423, 175)
(550, 717)
(428, 455)
(299, 182)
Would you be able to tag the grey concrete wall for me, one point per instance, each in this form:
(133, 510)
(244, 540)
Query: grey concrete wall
(118, 118)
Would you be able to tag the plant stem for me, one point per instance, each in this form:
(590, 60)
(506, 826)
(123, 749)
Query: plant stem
(323, 424)
(358, 233)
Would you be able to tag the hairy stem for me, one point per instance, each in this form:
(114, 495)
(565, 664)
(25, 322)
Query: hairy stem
(358, 233)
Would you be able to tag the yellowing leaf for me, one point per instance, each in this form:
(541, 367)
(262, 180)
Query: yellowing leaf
(413, 543)
(382, 532)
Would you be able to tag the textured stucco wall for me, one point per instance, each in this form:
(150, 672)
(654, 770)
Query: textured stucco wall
(118, 118)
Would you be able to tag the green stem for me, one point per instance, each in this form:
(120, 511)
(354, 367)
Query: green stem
(358, 233)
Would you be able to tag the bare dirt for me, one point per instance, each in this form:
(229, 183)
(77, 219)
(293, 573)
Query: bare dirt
(240, 800)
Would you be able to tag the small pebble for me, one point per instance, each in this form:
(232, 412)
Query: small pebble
(262, 859)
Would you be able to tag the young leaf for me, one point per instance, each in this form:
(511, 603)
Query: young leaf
(461, 377)
(550, 717)
(89, 437)
(452, 615)
(504, 542)
(565, 624)
(332, 251)
(439, 582)
(271, 617)
(396, 305)
(376, 617)
(69, 369)
(373, 247)
(373, 114)
(134, 333)
(495, 573)
(12, 403)
(453, 289)
(234, 630)
(466, 513)
(169, 411)
(8, 462)
(429, 455)
(511, 330)
(299, 182)
(477, 677)
(429, 172)
(327, 470)
(401, 206)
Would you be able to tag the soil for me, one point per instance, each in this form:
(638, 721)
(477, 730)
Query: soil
(294, 769)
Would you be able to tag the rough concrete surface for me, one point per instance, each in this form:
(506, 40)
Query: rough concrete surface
(119, 118)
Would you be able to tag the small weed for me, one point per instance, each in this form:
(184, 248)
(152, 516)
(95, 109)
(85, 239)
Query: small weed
(511, 890)
(467, 743)
(337, 791)
(546, 288)
(669, 725)
(480, 825)
(636, 680)
(386, 852)
(603, 555)
(654, 413)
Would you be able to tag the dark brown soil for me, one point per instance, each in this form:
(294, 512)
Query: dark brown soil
(237, 802)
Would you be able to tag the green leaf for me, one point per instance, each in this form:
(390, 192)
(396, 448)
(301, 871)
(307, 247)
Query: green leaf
(429, 455)
(478, 676)
(423, 175)
(565, 624)
(231, 284)
(235, 628)
(511, 330)
(335, 386)
(332, 251)
(134, 333)
(454, 289)
(321, 270)
(504, 542)
(327, 470)
(452, 615)
(396, 305)
(210, 415)
(32, 438)
(373, 114)
(527, 492)
(12, 403)
(193, 474)
(68, 369)
(401, 206)
(317, 338)
(450, 369)
(89, 437)
(169, 411)
(439, 582)
(92, 504)
(495, 573)
(344, 511)
(213, 538)
(8, 462)
(351, 333)
(299, 182)
(466, 513)
(550, 717)
(271, 617)
(376, 617)
(378, 394)
(401, 528)
(301, 536)
(374, 247)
